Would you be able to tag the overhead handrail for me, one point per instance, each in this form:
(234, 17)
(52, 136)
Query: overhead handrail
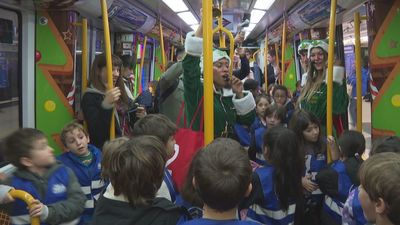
(208, 71)
(221, 29)
(107, 45)
(331, 54)
(28, 199)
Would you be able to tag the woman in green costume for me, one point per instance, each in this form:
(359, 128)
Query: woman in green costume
(313, 96)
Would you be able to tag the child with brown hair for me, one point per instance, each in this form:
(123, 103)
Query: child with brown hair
(222, 178)
(380, 188)
(135, 170)
(162, 127)
(58, 195)
(85, 160)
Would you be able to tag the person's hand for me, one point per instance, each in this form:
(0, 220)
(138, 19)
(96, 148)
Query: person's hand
(38, 209)
(237, 87)
(112, 96)
(141, 112)
(308, 184)
(331, 141)
(239, 38)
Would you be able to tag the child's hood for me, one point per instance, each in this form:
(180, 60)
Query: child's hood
(91, 89)
(25, 174)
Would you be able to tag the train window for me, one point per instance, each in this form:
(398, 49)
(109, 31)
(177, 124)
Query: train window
(10, 73)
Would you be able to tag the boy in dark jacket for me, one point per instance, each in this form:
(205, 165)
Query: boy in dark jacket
(135, 170)
(58, 195)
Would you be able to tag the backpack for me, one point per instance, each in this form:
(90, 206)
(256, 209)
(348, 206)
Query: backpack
(161, 97)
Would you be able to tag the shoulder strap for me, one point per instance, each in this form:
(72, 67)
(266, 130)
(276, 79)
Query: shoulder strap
(168, 92)
(196, 113)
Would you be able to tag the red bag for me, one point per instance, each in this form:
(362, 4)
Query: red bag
(189, 142)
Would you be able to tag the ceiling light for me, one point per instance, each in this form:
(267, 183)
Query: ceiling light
(188, 18)
(176, 5)
(250, 27)
(256, 15)
(264, 4)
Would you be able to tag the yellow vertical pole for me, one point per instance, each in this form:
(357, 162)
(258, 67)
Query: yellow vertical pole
(358, 70)
(266, 61)
(107, 46)
(331, 54)
(172, 53)
(283, 50)
(208, 73)
(28, 199)
(301, 36)
(276, 55)
(162, 47)
(142, 63)
(84, 54)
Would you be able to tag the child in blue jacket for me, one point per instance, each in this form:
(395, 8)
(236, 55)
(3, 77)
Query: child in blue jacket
(85, 160)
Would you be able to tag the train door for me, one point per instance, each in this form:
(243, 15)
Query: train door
(10, 72)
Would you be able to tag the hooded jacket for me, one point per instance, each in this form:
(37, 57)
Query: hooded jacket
(113, 209)
(59, 211)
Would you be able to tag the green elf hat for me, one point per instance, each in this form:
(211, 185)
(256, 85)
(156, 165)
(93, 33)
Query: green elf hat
(303, 46)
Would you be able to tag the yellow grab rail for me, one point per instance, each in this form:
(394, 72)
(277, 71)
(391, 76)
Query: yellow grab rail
(28, 199)
(231, 45)
(107, 45)
(162, 47)
(283, 50)
(142, 63)
(331, 54)
(208, 72)
(276, 55)
(254, 54)
(357, 21)
(266, 62)
(84, 53)
(172, 53)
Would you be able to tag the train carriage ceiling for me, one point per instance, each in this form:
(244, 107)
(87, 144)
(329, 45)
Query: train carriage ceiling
(143, 15)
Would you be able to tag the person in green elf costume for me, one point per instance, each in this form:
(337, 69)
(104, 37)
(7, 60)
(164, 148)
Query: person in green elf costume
(313, 97)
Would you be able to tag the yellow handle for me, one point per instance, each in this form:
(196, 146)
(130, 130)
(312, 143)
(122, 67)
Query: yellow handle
(28, 199)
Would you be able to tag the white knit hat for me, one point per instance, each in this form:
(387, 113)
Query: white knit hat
(317, 44)
(217, 55)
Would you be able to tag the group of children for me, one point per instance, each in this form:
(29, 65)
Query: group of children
(128, 182)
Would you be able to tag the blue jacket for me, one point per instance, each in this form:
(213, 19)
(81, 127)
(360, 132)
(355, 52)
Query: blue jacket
(269, 211)
(314, 164)
(333, 205)
(58, 189)
(358, 213)
(203, 221)
(352, 80)
(89, 177)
